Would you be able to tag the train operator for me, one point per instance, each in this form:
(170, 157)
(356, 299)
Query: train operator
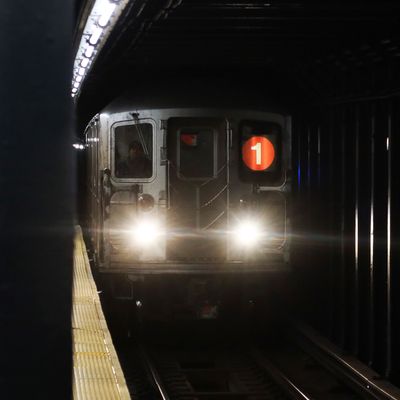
(136, 165)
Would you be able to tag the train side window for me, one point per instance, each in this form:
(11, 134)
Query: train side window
(196, 153)
(133, 149)
(260, 150)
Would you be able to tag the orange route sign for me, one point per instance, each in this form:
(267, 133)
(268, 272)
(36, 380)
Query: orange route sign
(258, 153)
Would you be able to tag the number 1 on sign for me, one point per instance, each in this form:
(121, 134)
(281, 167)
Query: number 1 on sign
(257, 149)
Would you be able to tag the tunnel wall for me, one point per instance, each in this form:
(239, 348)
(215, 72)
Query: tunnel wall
(346, 254)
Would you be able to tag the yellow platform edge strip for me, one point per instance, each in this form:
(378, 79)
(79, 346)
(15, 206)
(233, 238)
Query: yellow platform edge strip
(97, 373)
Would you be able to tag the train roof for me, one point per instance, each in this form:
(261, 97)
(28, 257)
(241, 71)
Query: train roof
(199, 93)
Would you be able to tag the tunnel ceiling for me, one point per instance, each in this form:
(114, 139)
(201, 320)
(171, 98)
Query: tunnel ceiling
(314, 46)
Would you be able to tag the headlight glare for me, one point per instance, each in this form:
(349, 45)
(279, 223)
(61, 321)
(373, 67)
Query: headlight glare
(248, 233)
(146, 232)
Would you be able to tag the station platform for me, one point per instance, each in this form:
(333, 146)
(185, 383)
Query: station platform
(97, 373)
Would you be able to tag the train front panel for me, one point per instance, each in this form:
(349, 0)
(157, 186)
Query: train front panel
(193, 191)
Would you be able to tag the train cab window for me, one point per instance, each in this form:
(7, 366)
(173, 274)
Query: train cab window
(260, 152)
(196, 153)
(133, 151)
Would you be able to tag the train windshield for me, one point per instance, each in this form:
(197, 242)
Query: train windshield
(196, 153)
(133, 151)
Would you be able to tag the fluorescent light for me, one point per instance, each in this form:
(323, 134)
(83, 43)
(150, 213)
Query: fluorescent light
(74, 90)
(106, 10)
(76, 84)
(103, 14)
(95, 35)
(89, 51)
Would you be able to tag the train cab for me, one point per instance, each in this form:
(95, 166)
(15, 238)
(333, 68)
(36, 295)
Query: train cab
(189, 191)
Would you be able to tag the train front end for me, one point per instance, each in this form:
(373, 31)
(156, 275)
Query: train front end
(190, 192)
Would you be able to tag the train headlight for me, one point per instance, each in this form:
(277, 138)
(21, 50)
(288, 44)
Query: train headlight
(248, 233)
(146, 232)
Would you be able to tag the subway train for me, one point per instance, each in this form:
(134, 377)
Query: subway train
(194, 197)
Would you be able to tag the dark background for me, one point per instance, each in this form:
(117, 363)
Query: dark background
(37, 179)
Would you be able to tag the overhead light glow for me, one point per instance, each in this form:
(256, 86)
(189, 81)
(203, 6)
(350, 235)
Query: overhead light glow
(76, 85)
(89, 51)
(98, 26)
(106, 10)
(74, 90)
(95, 35)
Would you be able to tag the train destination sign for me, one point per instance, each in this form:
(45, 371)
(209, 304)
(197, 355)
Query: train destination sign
(258, 153)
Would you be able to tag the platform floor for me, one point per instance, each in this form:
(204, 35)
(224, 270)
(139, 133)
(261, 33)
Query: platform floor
(97, 372)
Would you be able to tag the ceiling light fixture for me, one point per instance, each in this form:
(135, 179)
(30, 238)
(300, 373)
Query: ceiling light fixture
(99, 24)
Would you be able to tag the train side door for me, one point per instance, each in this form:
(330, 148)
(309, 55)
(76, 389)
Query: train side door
(197, 189)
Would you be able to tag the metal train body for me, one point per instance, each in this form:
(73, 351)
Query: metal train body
(200, 211)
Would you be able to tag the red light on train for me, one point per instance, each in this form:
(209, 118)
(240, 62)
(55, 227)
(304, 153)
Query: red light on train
(258, 153)
(190, 139)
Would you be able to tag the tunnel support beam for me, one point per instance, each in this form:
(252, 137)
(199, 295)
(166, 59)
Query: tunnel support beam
(36, 199)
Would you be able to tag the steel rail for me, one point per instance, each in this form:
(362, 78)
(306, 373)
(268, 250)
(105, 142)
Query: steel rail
(153, 374)
(346, 367)
(285, 383)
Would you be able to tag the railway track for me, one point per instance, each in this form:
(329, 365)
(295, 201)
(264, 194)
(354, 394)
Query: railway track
(227, 371)
(216, 374)
(220, 362)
